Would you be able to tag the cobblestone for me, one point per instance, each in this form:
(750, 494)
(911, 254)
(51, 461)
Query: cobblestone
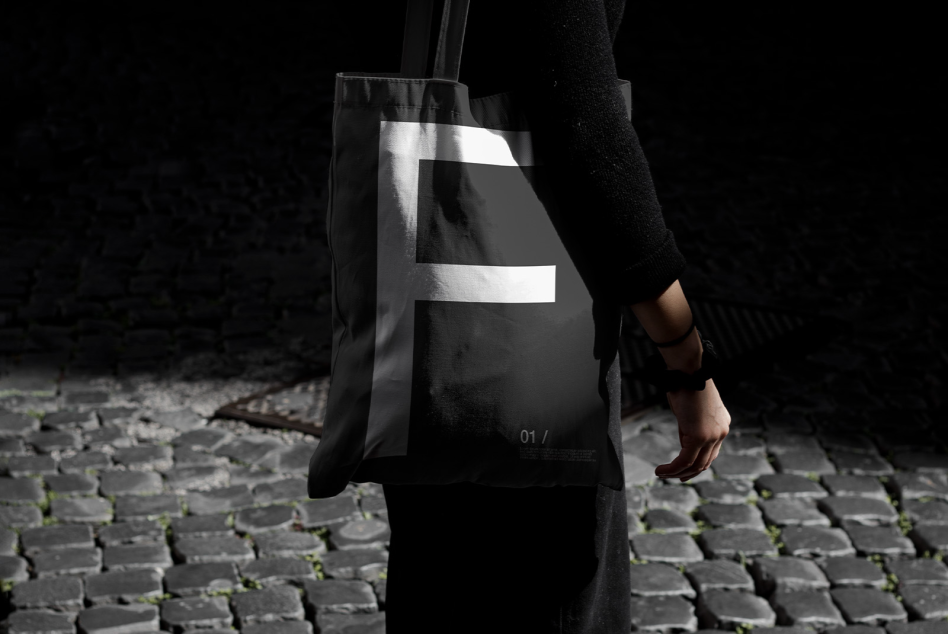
(67, 561)
(804, 462)
(731, 543)
(189, 580)
(731, 516)
(196, 613)
(921, 461)
(130, 483)
(81, 510)
(925, 601)
(16, 425)
(660, 580)
(342, 623)
(196, 478)
(134, 532)
(374, 506)
(278, 517)
(816, 541)
(926, 513)
(123, 587)
(47, 538)
(792, 512)
(201, 526)
(737, 467)
(137, 557)
(918, 571)
(66, 419)
(249, 449)
(808, 608)
(146, 507)
(57, 593)
(292, 627)
(863, 464)
(339, 597)
(868, 606)
(363, 563)
(787, 574)
(744, 445)
(783, 442)
(338, 510)
(289, 490)
(24, 466)
(841, 485)
(914, 486)
(252, 476)
(272, 571)
(858, 510)
(184, 419)
(8, 541)
(13, 569)
(84, 461)
(785, 485)
(726, 610)
(719, 574)
(40, 622)
(727, 491)
(879, 540)
(670, 549)
(293, 459)
(205, 550)
(106, 437)
(852, 571)
(915, 627)
(279, 603)
(20, 517)
(663, 613)
(48, 441)
(668, 521)
(683, 499)
(20, 491)
(72, 484)
(233, 498)
(144, 457)
(288, 544)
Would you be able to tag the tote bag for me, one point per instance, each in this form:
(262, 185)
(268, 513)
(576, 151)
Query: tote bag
(463, 335)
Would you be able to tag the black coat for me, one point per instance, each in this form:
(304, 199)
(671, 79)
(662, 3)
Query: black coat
(558, 55)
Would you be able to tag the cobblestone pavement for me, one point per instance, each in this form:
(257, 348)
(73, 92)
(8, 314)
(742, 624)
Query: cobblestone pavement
(167, 190)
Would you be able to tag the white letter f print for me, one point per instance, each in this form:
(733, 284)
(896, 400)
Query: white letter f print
(402, 280)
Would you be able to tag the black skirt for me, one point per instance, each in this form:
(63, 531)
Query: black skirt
(471, 558)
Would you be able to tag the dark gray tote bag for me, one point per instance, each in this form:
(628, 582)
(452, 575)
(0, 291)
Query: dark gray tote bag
(463, 335)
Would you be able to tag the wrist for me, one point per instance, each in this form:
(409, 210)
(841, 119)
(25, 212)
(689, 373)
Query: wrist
(685, 356)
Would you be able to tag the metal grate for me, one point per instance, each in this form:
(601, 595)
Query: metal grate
(746, 337)
(300, 406)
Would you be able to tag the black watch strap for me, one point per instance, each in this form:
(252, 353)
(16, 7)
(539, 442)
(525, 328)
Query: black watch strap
(656, 372)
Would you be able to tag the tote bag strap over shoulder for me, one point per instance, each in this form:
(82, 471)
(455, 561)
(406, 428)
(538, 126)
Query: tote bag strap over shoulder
(447, 62)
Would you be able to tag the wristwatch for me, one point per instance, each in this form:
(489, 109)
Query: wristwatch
(658, 374)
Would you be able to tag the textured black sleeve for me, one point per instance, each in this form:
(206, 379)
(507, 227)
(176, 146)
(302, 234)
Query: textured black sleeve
(609, 216)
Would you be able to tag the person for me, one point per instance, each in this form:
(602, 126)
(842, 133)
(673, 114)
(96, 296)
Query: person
(471, 558)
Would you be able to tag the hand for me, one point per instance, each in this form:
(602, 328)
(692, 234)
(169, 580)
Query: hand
(703, 424)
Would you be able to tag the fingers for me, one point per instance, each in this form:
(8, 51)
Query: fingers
(682, 462)
(691, 461)
(700, 464)
(714, 455)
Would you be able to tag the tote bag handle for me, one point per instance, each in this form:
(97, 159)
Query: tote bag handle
(447, 62)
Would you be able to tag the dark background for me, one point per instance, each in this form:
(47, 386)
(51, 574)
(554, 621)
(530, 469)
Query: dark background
(165, 167)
